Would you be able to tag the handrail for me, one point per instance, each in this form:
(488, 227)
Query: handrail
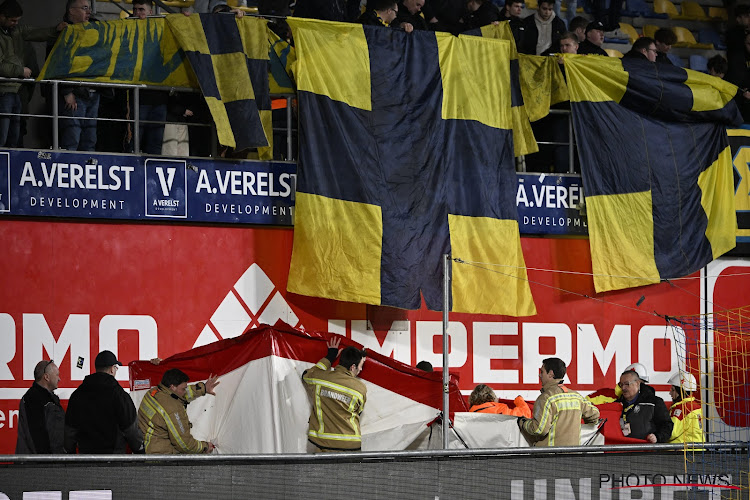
(381, 455)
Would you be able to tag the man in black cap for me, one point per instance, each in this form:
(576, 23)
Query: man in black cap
(594, 39)
(101, 417)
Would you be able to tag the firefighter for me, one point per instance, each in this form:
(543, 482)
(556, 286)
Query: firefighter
(686, 412)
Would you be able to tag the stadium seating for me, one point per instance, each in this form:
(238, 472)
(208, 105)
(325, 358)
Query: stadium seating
(180, 4)
(675, 60)
(639, 8)
(699, 63)
(649, 30)
(709, 36)
(718, 13)
(693, 11)
(629, 30)
(614, 53)
(531, 4)
(666, 7)
(685, 38)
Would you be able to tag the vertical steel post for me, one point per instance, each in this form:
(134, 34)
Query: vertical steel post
(289, 148)
(55, 116)
(446, 375)
(136, 120)
(571, 156)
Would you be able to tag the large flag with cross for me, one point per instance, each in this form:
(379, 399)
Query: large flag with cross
(406, 154)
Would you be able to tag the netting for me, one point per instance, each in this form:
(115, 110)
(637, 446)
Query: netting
(715, 349)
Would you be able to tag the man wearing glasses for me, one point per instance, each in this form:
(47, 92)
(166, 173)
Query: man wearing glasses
(380, 13)
(41, 418)
(643, 48)
(101, 417)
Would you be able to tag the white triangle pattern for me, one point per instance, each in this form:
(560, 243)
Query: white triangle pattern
(252, 289)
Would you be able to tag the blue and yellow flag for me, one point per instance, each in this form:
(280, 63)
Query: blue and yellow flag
(406, 154)
(230, 59)
(123, 51)
(656, 167)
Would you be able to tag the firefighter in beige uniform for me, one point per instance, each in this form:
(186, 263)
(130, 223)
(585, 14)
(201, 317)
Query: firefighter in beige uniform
(163, 419)
(338, 397)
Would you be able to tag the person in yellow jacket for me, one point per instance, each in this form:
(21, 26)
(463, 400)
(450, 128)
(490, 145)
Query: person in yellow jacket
(484, 400)
(686, 412)
(557, 411)
(163, 419)
(338, 398)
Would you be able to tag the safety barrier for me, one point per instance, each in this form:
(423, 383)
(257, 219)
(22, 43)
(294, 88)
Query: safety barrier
(583, 473)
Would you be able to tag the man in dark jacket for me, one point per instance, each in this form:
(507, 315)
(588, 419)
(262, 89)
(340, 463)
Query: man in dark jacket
(480, 13)
(379, 13)
(408, 17)
(644, 414)
(101, 417)
(594, 39)
(664, 38)
(643, 48)
(41, 418)
(542, 31)
(512, 13)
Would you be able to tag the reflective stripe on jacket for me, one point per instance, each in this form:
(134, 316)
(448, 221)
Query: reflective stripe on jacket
(164, 422)
(687, 417)
(337, 398)
(557, 417)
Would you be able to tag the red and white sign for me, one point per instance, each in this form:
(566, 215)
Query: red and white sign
(73, 289)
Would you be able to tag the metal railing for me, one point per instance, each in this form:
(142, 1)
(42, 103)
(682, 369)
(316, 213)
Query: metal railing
(136, 121)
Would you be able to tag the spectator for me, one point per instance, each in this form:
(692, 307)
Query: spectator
(79, 104)
(379, 13)
(12, 54)
(578, 26)
(338, 398)
(444, 15)
(686, 412)
(608, 16)
(643, 48)
(163, 419)
(557, 411)
(735, 35)
(717, 66)
(480, 13)
(738, 73)
(607, 395)
(512, 13)
(41, 418)
(152, 103)
(223, 8)
(644, 414)
(542, 30)
(425, 366)
(594, 40)
(101, 416)
(664, 38)
(484, 400)
(572, 6)
(568, 43)
(408, 16)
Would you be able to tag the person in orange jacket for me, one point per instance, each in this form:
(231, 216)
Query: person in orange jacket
(484, 400)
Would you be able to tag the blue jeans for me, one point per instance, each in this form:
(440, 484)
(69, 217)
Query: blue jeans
(76, 134)
(10, 126)
(151, 134)
(572, 6)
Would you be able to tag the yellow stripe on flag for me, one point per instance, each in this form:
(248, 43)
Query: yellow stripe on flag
(337, 249)
(326, 48)
(484, 239)
(621, 236)
(717, 186)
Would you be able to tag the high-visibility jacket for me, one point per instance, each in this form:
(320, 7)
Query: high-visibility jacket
(164, 422)
(338, 398)
(557, 417)
(521, 410)
(687, 417)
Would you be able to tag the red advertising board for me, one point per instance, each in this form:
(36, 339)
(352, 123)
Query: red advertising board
(72, 289)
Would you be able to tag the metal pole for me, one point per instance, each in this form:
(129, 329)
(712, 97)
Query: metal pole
(571, 156)
(289, 148)
(446, 375)
(55, 116)
(137, 120)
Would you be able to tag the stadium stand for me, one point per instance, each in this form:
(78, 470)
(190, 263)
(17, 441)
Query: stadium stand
(614, 53)
(710, 36)
(718, 13)
(639, 8)
(668, 8)
(693, 11)
(629, 30)
(699, 63)
(685, 38)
